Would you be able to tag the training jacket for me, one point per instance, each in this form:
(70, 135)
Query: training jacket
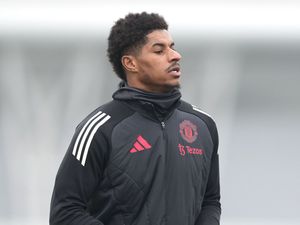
(141, 159)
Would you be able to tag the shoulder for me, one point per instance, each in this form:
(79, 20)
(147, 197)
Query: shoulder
(105, 116)
(189, 108)
(95, 129)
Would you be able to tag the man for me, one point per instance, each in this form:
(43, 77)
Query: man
(146, 157)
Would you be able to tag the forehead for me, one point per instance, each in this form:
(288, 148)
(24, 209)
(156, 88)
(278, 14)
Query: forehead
(159, 37)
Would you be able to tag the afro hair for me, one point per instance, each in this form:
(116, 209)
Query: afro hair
(130, 33)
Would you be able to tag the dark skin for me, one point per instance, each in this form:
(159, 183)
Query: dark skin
(154, 67)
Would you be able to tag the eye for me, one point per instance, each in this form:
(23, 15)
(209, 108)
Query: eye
(158, 51)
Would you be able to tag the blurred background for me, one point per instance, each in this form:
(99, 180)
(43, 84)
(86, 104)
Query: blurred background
(241, 64)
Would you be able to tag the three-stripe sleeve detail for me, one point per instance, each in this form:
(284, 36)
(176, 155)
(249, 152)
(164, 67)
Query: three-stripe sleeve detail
(86, 134)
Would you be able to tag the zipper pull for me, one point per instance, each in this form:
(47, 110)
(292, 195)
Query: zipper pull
(163, 125)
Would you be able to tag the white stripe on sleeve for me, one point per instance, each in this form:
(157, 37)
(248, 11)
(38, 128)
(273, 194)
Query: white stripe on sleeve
(81, 132)
(86, 149)
(86, 133)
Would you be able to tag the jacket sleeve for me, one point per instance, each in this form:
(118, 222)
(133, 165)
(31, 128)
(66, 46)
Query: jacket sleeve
(77, 179)
(211, 207)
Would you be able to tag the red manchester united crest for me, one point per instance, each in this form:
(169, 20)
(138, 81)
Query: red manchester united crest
(188, 131)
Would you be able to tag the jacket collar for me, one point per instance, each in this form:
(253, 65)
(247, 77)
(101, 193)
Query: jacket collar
(159, 106)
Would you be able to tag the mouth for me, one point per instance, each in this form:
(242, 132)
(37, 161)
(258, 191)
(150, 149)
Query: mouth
(174, 70)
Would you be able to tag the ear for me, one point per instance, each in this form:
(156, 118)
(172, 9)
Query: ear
(129, 63)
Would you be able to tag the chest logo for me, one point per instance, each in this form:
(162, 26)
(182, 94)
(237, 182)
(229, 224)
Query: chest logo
(188, 131)
(140, 145)
(188, 149)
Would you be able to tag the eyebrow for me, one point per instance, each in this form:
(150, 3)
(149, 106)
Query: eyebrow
(162, 45)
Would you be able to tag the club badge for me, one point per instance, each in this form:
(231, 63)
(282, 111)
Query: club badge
(188, 131)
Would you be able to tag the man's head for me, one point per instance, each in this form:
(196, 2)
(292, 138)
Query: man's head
(142, 53)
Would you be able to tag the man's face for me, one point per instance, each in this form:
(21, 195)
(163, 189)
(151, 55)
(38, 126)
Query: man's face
(158, 69)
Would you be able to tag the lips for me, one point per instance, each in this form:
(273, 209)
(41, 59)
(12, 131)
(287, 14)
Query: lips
(174, 68)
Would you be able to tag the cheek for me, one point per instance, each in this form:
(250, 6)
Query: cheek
(157, 66)
(152, 67)
(149, 67)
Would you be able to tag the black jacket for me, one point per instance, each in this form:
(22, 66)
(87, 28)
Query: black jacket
(141, 159)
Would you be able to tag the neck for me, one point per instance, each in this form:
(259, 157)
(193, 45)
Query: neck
(159, 105)
(152, 89)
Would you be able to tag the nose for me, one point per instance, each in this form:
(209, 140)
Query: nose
(174, 55)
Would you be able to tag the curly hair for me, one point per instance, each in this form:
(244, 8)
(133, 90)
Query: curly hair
(129, 34)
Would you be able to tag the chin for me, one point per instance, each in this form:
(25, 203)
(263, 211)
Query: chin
(170, 87)
(175, 84)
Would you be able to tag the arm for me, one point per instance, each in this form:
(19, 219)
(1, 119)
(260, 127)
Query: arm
(75, 183)
(211, 207)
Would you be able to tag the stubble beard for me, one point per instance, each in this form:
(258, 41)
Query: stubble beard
(160, 87)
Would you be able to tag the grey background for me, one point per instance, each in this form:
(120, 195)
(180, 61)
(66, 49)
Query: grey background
(250, 86)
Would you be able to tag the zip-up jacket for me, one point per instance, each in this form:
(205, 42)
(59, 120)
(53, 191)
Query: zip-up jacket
(141, 159)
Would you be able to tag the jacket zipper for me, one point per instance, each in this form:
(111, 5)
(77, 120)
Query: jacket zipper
(162, 123)
(163, 126)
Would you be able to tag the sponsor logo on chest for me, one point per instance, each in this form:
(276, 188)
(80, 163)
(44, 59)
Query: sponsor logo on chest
(189, 133)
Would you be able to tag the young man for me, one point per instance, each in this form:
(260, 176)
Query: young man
(146, 157)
